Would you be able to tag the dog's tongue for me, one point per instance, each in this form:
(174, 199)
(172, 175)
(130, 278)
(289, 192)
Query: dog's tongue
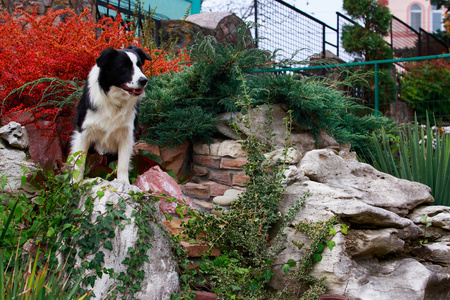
(132, 91)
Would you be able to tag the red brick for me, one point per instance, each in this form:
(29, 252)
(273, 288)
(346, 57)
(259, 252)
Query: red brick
(205, 296)
(223, 177)
(200, 170)
(211, 161)
(240, 178)
(217, 189)
(233, 163)
(174, 226)
(196, 190)
(197, 159)
(204, 204)
(197, 250)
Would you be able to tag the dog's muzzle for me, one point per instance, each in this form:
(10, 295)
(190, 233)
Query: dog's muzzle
(142, 82)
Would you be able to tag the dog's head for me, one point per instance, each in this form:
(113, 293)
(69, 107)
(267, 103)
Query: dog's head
(123, 69)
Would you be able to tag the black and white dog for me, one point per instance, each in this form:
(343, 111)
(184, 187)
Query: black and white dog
(106, 115)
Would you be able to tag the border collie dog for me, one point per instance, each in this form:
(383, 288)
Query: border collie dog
(106, 117)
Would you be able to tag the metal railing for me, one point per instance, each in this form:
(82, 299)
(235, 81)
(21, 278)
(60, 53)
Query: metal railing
(396, 74)
(284, 27)
(408, 42)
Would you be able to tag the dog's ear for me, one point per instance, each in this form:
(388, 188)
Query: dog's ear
(106, 56)
(142, 55)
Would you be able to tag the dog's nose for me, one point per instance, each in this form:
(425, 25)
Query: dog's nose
(142, 81)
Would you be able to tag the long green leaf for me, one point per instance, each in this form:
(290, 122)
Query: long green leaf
(8, 222)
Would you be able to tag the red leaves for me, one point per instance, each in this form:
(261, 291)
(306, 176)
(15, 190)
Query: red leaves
(59, 44)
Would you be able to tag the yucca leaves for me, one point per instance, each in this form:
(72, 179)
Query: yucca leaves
(420, 154)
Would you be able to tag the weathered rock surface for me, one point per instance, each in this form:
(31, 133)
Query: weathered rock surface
(300, 139)
(381, 257)
(13, 158)
(221, 25)
(228, 197)
(161, 277)
(15, 134)
(438, 216)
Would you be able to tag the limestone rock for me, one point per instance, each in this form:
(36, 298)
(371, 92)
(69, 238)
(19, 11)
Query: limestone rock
(14, 164)
(160, 273)
(393, 279)
(300, 139)
(231, 148)
(228, 197)
(15, 134)
(290, 156)
(374, 243)
(364, 182)
(375, 260)
(438, 251)
(160, 182)
(438, 216)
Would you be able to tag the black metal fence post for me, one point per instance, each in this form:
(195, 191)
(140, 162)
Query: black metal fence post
(255, 3)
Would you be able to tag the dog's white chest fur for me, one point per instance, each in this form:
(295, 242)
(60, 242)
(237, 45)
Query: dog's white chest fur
(111, 123)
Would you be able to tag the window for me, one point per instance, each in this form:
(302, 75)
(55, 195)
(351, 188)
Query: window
(415, 14)
(436, 19)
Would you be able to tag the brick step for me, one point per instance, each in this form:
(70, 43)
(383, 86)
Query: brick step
(193, 249)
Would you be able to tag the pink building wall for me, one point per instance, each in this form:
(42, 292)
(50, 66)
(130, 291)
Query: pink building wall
(401, 9)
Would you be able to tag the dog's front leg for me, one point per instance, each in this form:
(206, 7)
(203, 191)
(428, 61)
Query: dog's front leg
(124, 153)
(80, 147)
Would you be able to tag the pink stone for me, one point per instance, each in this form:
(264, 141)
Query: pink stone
(159, 182)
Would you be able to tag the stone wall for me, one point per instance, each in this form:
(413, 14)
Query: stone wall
(42, 6)
(218, 174)
(221, 25)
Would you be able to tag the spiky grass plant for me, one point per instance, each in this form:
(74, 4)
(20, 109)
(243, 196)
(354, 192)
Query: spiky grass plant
(419, 154)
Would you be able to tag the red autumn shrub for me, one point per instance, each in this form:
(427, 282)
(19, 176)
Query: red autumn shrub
(59, 44)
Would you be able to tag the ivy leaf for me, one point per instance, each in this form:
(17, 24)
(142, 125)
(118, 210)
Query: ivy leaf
(289, 265)
(76, 174)
(100, 194)
(344, 228)
(267, 275)
(253, 285)
(332, 231)
(316, 257)
(331, 245)
(320, 248)
(108, 245)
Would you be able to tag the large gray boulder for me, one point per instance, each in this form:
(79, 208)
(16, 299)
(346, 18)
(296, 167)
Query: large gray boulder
(161, 277)
(383, 255)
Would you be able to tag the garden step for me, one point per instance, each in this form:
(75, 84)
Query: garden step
(193, 248)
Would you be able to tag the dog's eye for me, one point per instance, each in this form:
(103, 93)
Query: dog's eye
(124, 67)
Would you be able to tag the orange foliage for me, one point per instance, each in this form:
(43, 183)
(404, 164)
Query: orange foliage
(58, 44)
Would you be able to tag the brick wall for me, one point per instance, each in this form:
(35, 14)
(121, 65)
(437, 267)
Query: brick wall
(217, 167)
